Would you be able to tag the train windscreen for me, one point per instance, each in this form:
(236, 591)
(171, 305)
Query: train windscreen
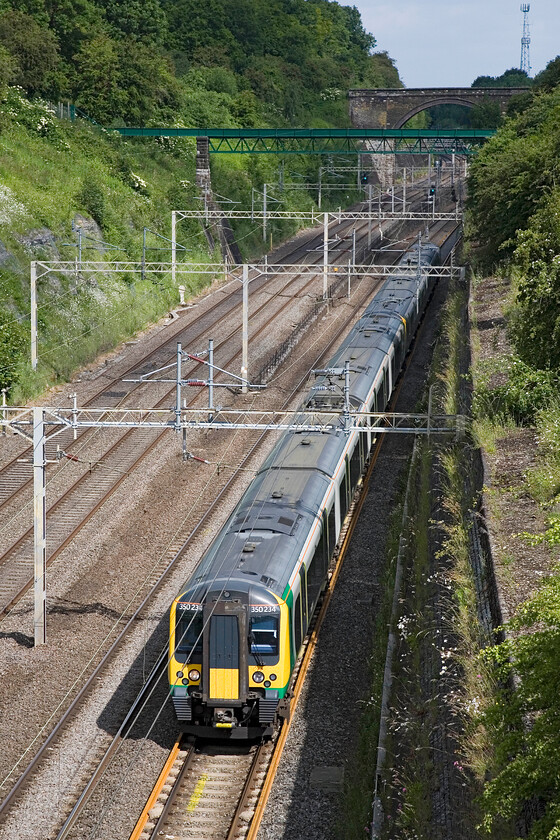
(188, 637)
(263, 635)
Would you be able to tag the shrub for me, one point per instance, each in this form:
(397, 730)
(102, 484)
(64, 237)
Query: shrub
(92, 199)
(525, 391)
(13, 341)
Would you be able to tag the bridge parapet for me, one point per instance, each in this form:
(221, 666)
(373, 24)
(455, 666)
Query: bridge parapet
(393, 107)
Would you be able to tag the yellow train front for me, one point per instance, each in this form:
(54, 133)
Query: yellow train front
(230, 667)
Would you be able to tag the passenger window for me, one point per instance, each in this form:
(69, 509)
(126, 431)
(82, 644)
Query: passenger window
(188, 636)
(263, 635)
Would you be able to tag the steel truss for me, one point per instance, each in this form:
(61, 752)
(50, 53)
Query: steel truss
(20, 420)
(313, 218)
(353, 141)
(257, 270)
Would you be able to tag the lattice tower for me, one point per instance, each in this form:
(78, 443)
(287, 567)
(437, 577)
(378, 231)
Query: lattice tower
(525, 40)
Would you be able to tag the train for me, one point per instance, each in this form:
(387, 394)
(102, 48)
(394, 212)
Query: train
(238, 625)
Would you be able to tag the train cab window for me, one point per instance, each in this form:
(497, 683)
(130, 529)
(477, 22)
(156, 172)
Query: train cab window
(263, 635)
(188, 636)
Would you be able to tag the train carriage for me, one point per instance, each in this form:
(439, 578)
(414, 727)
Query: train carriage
(238, 625)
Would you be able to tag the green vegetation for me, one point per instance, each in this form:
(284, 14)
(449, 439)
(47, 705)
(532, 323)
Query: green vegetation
(175, 62)
(221, 62)
(514, 208)
(54, 174)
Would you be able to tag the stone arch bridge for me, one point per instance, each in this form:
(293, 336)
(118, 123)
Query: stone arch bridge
(393, 107)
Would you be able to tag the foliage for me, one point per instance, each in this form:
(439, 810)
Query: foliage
(35, 53)
(524, 722)
(486, 114)
(548, 78)
(13, 342)
(513, 174)
(524, 392)
(134, 60)
(535, 324)
(8, 68)
(510, 78)
(91, 199)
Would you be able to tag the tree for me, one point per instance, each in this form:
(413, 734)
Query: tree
(151, 91)
(513, 174)
(8, 68)
(486, 114)
(536, 322)
(548, 78)
(73, 22)
(34, 49)
(98, 90)
(511, 78)
(139, 20)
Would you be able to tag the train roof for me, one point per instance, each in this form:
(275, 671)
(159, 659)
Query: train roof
(265, 534)
(261, 541)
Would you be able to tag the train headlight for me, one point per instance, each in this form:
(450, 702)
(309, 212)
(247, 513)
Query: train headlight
(180, 674)
(258, 677)
(194, 674)
(273, 677)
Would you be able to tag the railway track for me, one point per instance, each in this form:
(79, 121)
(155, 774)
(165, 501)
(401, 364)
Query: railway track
(87, 686)
(249, 807)
(205, 793)
(161, 571)
(16, 474)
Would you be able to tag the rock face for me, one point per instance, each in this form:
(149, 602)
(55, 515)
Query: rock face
(7, 259)
(89, 228)
(41, 243)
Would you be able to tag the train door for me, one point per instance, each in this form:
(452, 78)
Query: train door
(225, 663)
(344, 491)
(304, 604)
(331, 531)
(297, 623)
(317, 571)
(356, 464)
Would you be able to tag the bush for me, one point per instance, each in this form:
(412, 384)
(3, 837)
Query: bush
(524, 393)
(13, 342)
(92, 199)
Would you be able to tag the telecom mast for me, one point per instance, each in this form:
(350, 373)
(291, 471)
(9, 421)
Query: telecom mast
(525, 39)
